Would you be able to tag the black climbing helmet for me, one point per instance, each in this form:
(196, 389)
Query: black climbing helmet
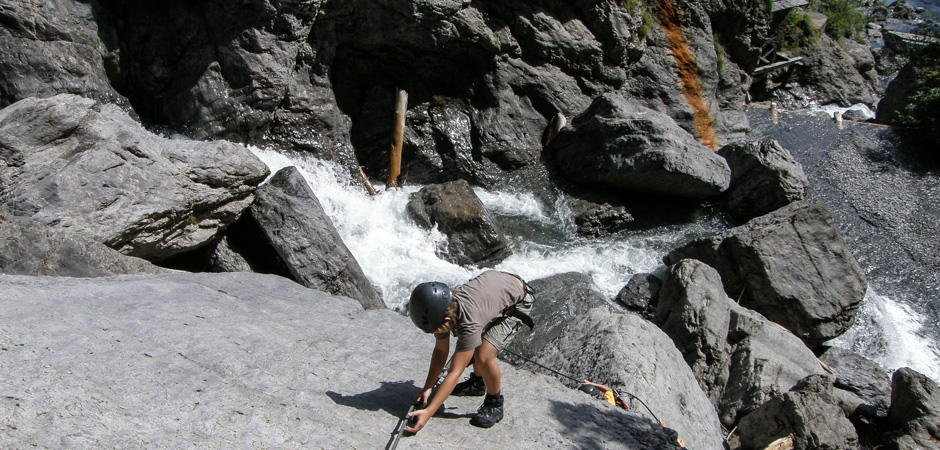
(429, 302)
(591, 390)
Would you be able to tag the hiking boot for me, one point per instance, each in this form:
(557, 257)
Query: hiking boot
(471, 387)
(489, 413)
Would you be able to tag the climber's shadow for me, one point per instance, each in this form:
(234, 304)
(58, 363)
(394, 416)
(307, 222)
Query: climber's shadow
(393, 397)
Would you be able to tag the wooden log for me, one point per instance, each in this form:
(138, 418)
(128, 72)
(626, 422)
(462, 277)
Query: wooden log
(365, 180)
(394, 154)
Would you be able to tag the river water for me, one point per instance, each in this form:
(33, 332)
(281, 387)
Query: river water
(396, 255)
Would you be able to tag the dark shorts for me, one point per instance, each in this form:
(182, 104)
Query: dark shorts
(502, 330)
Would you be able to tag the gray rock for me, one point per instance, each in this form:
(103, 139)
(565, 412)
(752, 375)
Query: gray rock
(90, 168)
(599, 218)
(244, 360)
(28, 247)
(739, 358)
(560, 299)
(792, 266)
(456, 211)
(829, 72)
(223, 258)
(290, 215)
(764, 177)
(53, 48)
(632, 356)
(640, 293)
(914, 416)
(622, 145)
(807, 413)
(866, 380)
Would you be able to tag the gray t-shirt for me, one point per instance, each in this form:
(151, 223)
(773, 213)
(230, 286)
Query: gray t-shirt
(482, 300)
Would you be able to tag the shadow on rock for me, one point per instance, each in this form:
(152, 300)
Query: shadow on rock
(584, 427)
(392, 397)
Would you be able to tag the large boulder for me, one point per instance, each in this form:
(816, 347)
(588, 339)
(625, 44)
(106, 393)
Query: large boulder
(28, 247)
(87, 167)
(631, 355)
(243, 360)
(739, 358)
(620, 144)
(808, 414)
(559, 299)
(914, 416)
(792, 266)
(764, 177)
(868, 383)
(290, 216)
(456, 211)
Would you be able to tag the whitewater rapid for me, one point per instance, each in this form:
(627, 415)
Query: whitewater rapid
(396, 255)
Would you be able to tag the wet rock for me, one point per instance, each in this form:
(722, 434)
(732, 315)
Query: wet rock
(290, 215)
(640, 293)
(764, 177)
(599, 219)
(739, 358)
(792, 266)
(622, 145)
(625, 352)
(91, 169)
(28, 247)
(807, 413)
(914, 416)
(472, 237)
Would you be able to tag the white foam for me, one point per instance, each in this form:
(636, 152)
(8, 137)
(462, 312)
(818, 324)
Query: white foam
(891, 334)
(396, 255)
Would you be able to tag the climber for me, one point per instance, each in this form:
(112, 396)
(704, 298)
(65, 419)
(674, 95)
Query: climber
(483, 314)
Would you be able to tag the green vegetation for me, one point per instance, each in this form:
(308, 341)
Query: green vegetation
(922, 110)
(629, 5)
(720, 52)
(647, 27)
(796, 31)
(845, 19)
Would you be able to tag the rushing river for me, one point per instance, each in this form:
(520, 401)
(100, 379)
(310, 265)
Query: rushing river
(396, 255)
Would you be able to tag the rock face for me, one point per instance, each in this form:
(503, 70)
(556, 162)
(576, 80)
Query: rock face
(53, 48)
(299, 362)
(472, 237)
(792, 266)
(764, 177)
(630, 354)
(317, 75)
(28, 247)
(290, 215)
(830, 73)
(808, 413)
(914, 416)
(619, 144)
(739, 358)
(89, 168)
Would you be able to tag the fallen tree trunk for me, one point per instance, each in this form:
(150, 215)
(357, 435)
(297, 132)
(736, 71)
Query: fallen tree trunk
(394, 160)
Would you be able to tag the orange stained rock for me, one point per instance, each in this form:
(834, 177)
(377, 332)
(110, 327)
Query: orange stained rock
(688, 76)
